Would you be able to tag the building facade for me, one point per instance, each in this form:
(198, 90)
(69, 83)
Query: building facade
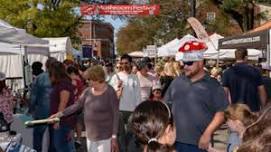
(100, 36)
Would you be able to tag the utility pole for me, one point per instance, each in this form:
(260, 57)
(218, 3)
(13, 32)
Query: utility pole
(193, 8)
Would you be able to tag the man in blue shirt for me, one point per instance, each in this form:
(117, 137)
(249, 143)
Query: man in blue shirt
(198, 101)
(243, 83)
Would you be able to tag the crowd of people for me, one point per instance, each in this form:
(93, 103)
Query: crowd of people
(128, 106)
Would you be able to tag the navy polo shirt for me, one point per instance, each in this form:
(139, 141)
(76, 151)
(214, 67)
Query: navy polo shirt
(194, 105)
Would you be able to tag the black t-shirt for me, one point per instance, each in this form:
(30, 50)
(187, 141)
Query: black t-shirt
(243, 81)
(165, 82)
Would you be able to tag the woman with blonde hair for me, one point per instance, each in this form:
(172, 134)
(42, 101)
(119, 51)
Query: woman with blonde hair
(168, 77)
(177, 68)
(216, 73)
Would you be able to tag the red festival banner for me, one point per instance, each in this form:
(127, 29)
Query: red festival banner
(141, 10)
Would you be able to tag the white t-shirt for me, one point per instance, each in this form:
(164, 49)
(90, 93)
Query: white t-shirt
(131, 96)
(146, 84)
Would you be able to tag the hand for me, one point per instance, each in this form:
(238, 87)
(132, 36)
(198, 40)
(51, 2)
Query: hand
(120, 84)
(114, 145)
(53, 116)
(119, 92)
(204, 141)
(56, 115)
(211, 149)
(56, 125)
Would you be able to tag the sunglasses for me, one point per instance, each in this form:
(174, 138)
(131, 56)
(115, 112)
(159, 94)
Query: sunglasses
(189, 63)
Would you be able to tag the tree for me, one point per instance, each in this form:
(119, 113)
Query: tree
(43, 18)
(171, 23)
(242, 11)
(142, 31)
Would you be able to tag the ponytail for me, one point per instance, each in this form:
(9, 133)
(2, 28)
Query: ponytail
(155, 146)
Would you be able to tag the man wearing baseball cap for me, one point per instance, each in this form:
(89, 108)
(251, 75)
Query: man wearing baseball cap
(197, 100)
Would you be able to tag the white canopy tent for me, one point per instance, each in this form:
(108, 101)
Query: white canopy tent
(60, 47)
(20, 39)
(165, 49)
(15, 43)
(171, 48)
(138, 54)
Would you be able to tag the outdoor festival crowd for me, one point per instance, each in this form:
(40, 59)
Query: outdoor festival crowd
(175, 105)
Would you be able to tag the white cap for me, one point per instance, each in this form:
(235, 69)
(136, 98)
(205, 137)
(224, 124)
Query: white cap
(156, 86)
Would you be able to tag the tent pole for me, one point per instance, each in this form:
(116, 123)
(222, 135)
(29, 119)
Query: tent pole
(268, 49)
(217, 50)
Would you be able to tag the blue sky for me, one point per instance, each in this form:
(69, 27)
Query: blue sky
(117, 23)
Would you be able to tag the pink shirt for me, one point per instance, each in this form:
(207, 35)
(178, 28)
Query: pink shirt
(6, 105)
(146, 84)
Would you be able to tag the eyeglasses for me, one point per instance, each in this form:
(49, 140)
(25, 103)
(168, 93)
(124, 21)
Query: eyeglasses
(189, 63)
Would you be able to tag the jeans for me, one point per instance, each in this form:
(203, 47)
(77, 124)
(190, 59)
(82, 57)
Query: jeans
(63, 139)
(38, 133)
(181, 147)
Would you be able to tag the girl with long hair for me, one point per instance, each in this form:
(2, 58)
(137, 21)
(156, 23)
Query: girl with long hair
(238, 117)
(153, 126)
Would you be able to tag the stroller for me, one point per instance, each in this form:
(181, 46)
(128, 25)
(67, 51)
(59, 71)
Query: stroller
(10, 141)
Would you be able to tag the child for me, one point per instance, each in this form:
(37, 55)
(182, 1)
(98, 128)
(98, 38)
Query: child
(238, 117)
(156, 94)
(152, 124)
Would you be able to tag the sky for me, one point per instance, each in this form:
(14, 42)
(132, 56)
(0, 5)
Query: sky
(117, 23)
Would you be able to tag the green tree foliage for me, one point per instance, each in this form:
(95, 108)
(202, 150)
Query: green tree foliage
(43, 18)
(242, 11)
(142, 31)
(264, 1)
(171, 23)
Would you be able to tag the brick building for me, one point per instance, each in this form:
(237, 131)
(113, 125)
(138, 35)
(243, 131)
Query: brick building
(100, 36)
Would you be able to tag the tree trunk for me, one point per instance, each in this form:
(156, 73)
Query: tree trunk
(251, 15)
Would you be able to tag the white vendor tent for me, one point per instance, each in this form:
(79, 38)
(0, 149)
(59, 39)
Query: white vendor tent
(15, 43)
(171, 48)
(60, 47)
(138, 54)
(22, 40)
(164, 50)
